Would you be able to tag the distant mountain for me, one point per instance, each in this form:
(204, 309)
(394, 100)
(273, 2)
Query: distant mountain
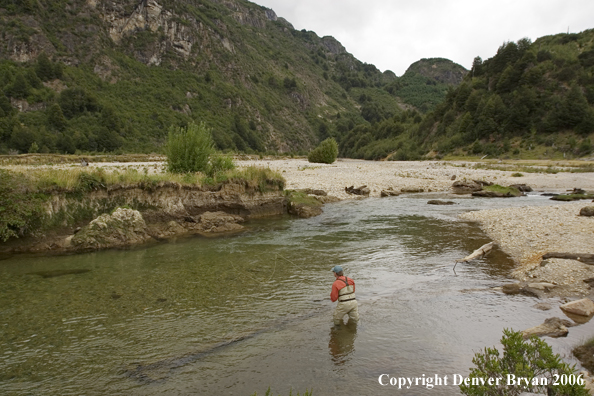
(99, 75)
(426, 82)
(530, 99)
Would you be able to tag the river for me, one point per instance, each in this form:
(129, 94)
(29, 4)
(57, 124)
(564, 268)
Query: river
(238, 314)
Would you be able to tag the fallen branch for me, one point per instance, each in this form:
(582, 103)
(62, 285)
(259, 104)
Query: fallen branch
(586, 258)
(478, 253)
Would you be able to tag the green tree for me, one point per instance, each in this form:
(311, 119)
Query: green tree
(56, 118)
(325, 153)
(189, 149)
(44, 68)
(530, 359)
(20, 88)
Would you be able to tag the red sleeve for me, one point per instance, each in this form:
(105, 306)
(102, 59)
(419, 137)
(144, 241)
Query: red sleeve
(334, 293)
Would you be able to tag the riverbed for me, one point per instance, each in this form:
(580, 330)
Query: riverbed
(239, 314)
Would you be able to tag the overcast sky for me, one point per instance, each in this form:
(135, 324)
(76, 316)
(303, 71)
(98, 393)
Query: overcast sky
(392, 34)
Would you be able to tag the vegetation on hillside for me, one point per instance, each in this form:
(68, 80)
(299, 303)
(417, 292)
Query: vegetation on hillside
(531, 100)
(73, 80)
(527, 95)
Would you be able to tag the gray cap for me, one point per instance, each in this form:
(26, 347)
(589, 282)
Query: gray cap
(337, 269)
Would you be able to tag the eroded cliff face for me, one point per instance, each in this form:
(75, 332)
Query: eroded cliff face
(168, 201)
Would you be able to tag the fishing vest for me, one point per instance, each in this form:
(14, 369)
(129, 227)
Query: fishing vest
(347, 293)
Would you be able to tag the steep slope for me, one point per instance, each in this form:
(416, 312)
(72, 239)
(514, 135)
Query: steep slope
(97, 75)
(426, 82)
(531, 99)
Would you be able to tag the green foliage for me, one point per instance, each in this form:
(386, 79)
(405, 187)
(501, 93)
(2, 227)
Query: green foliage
(325, 153)
(526, 89)
(20, 208)
(530, 359)
(220, 164)
(189, 149)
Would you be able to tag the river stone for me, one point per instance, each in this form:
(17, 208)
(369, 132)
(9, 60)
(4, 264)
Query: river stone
(542, 286)
(363, 190)
(123, 227)
(543, 306)
(303, 210)
(440, 202)
(511, 288)
(552, 327)
(522, 187)
(583, 307)
(463, 187)
(215, 222)
(412, 190)
(389, 193)
(587, 211)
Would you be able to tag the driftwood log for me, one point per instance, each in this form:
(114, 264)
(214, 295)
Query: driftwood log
(480, 252)
(586, 258)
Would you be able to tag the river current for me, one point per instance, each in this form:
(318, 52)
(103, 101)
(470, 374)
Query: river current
(238, 314)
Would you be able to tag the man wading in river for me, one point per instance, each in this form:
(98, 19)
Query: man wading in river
(343, 290)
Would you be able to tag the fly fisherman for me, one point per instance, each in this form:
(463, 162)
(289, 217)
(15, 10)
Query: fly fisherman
(343, 290)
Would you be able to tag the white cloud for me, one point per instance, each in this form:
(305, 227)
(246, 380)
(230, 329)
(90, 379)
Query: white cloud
(394, 34)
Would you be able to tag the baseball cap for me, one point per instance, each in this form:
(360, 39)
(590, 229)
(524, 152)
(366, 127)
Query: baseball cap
(337, 268)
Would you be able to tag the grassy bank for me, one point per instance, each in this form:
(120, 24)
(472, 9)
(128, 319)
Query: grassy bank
(24, 194)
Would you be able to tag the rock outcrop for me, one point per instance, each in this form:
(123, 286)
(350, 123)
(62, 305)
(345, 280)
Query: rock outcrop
(552, 327)
(124, 227)
(583, 307)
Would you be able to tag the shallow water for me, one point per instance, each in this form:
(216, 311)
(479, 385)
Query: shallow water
(161, 319)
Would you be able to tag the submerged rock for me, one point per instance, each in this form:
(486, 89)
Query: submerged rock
(552, 327)
(440, 202)
(54, 273)
(123, 227)
(304, 210)
(217, 222)
(583, 307)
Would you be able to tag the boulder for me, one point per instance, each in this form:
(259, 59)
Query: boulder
(313, 191)
(440, 202)
(463, 187)
(363, 190)
(552, 327)
(522, 187)
(216, 222)
(303, 210)
(389, 192)
(583, 307)
(123, 227)
(587, 211)
(412, 190)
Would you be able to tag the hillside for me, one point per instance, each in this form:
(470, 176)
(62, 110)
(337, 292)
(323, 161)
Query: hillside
(530, 99)
(95, 75)
(426, 82)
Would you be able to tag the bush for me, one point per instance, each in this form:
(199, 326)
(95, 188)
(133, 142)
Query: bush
(531, 359)
(325, 153)
(220, 163)
(189, 149)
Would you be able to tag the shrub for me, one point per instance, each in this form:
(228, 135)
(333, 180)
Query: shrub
(220, 163)
(529, 359)
(325, 153)
(189, 149)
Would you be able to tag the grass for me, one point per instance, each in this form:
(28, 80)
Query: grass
(81, 179)
(572, 197)
(504, 190)
(24, 193)
(299, 197)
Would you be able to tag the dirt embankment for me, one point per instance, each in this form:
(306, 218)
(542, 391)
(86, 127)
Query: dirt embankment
(87, 221)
